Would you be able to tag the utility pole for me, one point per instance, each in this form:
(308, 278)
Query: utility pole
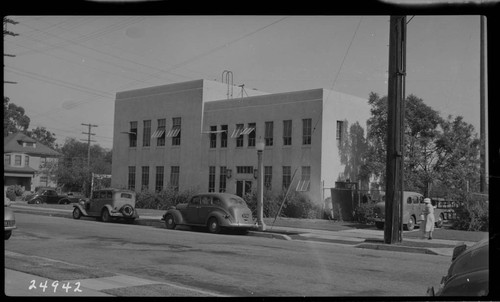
(88, 140)
(8, 33)
(395, 131)
(482, 115)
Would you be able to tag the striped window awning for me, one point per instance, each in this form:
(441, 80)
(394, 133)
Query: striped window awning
(158, 133)
(241, 131)
(173, 132)
(303, 185)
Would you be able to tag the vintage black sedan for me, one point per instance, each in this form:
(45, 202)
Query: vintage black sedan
(215, 211)
(468, 274)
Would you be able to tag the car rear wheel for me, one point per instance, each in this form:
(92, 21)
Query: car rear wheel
(77, 213)
(105, 215)
(410, 225)
(213, 225)
(64, 201)
(379, 225)
(37, 201)
(170, 222)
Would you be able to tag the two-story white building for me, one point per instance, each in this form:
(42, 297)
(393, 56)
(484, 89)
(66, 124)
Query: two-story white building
(24, 160)
(191, 135)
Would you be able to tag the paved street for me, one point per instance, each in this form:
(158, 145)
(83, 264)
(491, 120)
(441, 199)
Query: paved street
(156, 261)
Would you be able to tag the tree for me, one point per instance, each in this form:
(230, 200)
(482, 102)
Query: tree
(73, 170)
(352, 150)
(420, 130)
(458, 160)
(43, 136)
(14, 119)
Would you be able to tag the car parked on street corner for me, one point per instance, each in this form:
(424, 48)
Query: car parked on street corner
(53, 197)
(9, 220)
(413, 205)
(108, 204)
(468, 274)
(212, 210)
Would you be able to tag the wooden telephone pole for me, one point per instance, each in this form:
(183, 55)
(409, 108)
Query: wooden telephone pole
(395, 131)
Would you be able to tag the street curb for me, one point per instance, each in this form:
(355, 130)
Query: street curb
(269, 235)
(396, 248)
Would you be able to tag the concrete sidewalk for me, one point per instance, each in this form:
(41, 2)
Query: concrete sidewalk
(357, 238)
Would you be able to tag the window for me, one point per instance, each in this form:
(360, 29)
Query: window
(268, 134)
(211, 179)
(174, 177)
(213, 136)
(146, 134)
(27, 161)
(159, 134)
(175, 132)
(43, 161)
(251, 135)
(44, 179)
(6, 160)
(17, 160)
(287, 132)
(145, 178)
(239, 135)
(133, 134)
(305, 180)
(222, 179)
(159, 178)
(131, 178)
(408, 201)
(306, 131)
(244, 169)
(268, 176)
(340, 125)
(223, 136)
(287, 176)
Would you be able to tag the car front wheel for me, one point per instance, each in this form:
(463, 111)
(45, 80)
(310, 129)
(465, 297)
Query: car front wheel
(105, 215)
(8, 234)
(37, 201)
(169, 222)
(213, 225)
(77, 213)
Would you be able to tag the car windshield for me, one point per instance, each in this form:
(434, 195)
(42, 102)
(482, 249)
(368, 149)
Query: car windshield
(237, 201)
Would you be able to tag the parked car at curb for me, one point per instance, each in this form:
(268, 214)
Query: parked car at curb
(107, 205)
(468, 274)
(9, 220)
(51, 196)
(413, 205)
(215, 211)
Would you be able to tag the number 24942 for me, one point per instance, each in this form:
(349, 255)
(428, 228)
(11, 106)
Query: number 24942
(65, 286)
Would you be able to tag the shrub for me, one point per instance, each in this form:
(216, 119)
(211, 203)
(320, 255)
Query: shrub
(271, 203)
(13, 191)
(163, 199)
(364, 212)
(297, 206)
(472, 215)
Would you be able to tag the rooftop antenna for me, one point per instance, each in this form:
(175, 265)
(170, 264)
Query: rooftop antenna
(243, 90)
(227, 76)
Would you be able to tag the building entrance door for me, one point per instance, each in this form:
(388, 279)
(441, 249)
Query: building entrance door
(243, 187)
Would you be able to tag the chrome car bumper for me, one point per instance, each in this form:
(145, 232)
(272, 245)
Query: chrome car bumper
(9, 225)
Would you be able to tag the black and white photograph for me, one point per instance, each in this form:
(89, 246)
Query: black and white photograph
(248, 155)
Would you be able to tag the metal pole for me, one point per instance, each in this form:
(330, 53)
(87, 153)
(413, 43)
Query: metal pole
(260, 192)
(482, 126)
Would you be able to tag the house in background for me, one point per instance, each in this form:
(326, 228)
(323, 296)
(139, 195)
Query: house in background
(24, 160)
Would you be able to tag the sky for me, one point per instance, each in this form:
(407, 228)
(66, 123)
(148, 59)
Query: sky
(68, 69)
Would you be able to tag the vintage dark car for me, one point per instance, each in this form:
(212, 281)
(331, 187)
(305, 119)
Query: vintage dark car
(9, 220)
(108, 204)
(212, 210)
(468, 274)
(52, 196)
(413, 205)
